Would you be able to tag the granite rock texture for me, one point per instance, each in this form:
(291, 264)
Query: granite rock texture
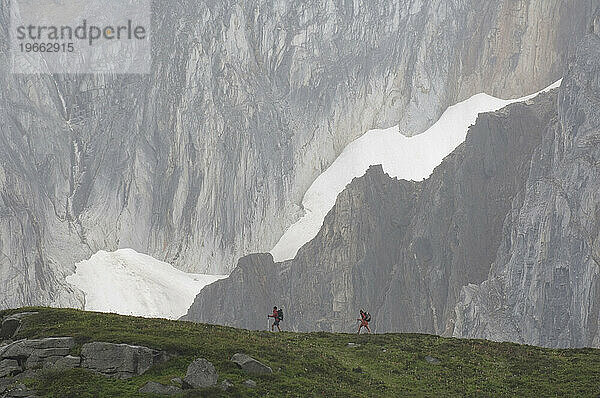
(544, 284)
(207, 158)
(401, 250)
(121, 361)
(200, 374)
(250, 365)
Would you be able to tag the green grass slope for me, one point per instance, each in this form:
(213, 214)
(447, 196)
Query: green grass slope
(318, 364)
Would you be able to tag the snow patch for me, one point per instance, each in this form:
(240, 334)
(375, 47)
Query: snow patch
(130, 283)
(409, 158)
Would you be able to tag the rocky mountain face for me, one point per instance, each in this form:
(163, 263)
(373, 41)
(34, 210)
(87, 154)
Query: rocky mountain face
(544, 285)
(207, 157)
(403, 250)
(501, 242)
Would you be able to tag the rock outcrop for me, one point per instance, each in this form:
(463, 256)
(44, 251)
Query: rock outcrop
(544, 285)
(25, 357)
(207, 157)
(200, 374)
(250, 365)
(17, 390)
(226, 385)
(403, 250)
(49, 347)
(119, 360)
(9, 328)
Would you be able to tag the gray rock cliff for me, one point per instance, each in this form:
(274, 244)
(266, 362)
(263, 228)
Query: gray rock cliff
(207, 157)
(402, 250)
(544, 285)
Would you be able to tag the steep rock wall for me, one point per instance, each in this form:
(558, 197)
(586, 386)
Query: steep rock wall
(544, 285)
(402, 250)
(207, 157)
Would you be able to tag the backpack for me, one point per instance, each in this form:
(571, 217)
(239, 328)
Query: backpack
(280, 314)
(367, 317)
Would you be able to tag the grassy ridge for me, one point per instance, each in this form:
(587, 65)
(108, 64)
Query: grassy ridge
(318, 364)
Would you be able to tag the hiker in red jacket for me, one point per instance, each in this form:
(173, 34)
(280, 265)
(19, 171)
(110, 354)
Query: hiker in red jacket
(277, 316)
(364, 319)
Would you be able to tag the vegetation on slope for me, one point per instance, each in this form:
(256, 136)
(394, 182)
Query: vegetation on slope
(317, 364)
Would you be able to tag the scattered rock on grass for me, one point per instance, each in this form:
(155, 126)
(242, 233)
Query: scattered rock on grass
(351, 345)
(11, 324)
(432, 359)
(226, 385)
(43, 358)
(19, 391)
(9, 328)
(251, 365)
(22, 349)
(156, 388)
(200, 374)
(250, 383)
(119, 360)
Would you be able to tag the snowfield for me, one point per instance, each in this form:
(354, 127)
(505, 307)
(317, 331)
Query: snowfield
(131, 283)
(409, 158)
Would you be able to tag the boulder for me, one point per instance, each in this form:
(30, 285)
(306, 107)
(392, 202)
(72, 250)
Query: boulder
(9, 367)
(251, 365)
(52, 342)
(156, 388)
(250, 383)
(24, 348)
(11, 324)
(19, 391)
(63, 363)
(226, 385)
(51, 352)
(9, 328)
(17, 350)
(28, 374)
(200, 373)
(45, 356)
(432, 360)
(119, 360)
